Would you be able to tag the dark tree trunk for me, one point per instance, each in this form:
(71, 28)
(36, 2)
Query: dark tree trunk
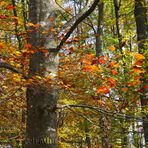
(142, 36)
(117, 8)
(141, 23)
(41, 128)
(99, 29)
(88, 140)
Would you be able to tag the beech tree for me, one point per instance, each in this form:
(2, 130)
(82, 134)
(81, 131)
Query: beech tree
(42, 100)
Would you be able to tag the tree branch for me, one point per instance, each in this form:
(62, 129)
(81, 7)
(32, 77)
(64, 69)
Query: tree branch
(107, 112)
(11, 68)
(77, 22)
(81, 115)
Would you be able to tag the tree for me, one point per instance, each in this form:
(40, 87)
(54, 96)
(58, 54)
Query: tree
(142, 38)
(42, 99)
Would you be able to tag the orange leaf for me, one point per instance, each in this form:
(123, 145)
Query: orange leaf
(90, 56)
(102, 90)
(33, 25)
(44, 51)
(113, 64)
(51, 19)
(137, 70)
(112, 82)
(1, 45)
(139, 56)
(32, 51)
(76, 39)
(134, 83)
(84, 61)
(87, 68)
(94, 68)
(124, 89)
(137, 77)
(28, 45)
(138, 64)
(102, 61)
(52, 29)
(114, 72)
(112, 48)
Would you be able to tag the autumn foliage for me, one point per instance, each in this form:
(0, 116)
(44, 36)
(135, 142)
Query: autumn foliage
(111, 82)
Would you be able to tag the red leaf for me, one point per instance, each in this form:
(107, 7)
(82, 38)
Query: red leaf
(138, 64)
(87, 68)
(101, 60)
(145, 87)
(94, 61)
(10, 7)
(3, 16)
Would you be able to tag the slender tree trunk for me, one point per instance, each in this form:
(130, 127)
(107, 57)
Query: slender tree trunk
(117, 8)
(99, 44)
(41, 130)
(99, 29)
(88, 140)
(142, 36)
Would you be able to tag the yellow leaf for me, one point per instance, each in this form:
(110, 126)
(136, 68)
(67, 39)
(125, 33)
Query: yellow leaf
(17, 53)
(94, 68)
(17, 65)
(31, 24)
(38, 77)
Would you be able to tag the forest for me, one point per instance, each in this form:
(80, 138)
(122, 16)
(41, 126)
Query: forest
(73, 73)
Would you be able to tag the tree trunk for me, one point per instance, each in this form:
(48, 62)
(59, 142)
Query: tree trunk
(99, 29)
(142, 36)
(117, 8)
(41, 128)
(87, 139)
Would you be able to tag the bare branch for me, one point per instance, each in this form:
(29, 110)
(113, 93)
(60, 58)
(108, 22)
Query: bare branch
(107, 112)
(81, 115)
(11, 68)
(77, 22)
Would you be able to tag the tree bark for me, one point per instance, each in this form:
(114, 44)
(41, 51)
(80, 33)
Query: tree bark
(99, 29)
(87, 136)
(41, 128)
(142, 36)
(117, 8)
